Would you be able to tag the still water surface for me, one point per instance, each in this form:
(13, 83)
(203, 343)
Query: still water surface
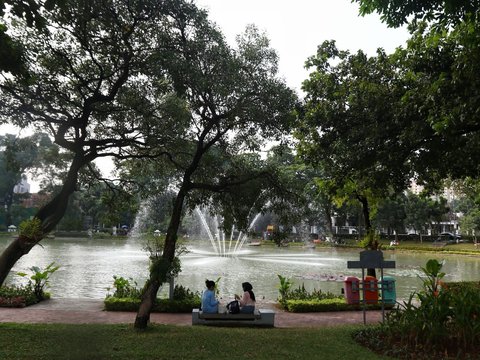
(87, 267)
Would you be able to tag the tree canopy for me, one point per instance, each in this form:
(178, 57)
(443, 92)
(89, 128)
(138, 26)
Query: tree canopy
(94, 86)
(399, 12)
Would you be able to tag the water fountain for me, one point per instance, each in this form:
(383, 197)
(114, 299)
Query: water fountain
(139, 224)
(212, 225)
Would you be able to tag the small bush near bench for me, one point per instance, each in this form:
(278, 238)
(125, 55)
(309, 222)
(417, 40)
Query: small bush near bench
(161, 305)
(126, 297)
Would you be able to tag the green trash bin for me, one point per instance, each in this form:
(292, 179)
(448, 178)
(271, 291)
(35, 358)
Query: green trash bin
(389, 294)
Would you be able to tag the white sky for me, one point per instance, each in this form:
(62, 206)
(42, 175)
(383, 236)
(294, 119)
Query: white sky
(295, 30)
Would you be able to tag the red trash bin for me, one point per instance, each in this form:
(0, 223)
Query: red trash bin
(351, 286)
(370, 284)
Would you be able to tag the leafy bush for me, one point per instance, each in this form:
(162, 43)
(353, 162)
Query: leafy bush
(176, 306)
(31, 293)
(437, 322)
(121, 304)
(283, 289)
(300, 293)
(182, 293)
(41, 279)
(17, 296)
(127, 297)
(317, 305)
(124, 288)
(461, 285)
(161, 305)
(325, 305)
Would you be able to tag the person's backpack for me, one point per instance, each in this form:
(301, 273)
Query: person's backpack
(233, 307)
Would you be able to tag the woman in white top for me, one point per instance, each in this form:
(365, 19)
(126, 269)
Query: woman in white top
(247, 301)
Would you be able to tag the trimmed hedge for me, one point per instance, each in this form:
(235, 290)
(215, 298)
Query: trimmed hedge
(460, 285)
(161, 305)
(302, 306)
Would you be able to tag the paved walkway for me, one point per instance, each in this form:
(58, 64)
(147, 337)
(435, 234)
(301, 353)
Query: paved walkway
(89, 311)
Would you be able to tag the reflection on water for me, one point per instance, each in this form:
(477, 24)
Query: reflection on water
(87, 267)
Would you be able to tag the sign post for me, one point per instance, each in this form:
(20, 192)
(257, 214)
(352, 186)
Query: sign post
(371, 259)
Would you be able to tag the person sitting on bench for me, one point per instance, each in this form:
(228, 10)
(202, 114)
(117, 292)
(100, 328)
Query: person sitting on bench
(247, 301)
(209, 302)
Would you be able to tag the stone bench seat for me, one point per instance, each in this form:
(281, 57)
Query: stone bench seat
(261, 317)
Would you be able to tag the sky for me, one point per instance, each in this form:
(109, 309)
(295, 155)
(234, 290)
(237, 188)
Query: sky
(295, 29)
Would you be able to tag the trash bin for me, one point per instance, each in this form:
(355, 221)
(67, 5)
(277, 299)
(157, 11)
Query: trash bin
(351, 286)
(370, 285)
(389, 293)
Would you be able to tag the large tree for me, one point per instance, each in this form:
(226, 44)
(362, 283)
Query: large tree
(349, 126)
(440, 67)
(412, 114)
(234, 102)
(91, 87)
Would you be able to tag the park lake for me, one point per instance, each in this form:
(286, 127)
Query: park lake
(87, 267)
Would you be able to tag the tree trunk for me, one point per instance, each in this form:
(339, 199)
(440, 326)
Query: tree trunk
(17, 248)
(49, 215)
(146, 306)
(150, 294)
(366, 213)
(368, 227)
(328, 220)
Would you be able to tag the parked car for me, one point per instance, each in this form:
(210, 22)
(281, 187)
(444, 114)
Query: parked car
(449, 238)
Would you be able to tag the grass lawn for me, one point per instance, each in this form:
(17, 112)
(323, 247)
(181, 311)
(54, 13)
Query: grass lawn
(47, 341)
(466, 248)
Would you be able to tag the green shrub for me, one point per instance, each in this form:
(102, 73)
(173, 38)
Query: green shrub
(441, 321)
(161, 305)
(125, 288)
(121, 304)
(325, 305)
(127, 297)
(460, 285)
(41, 279)
(18, 296)
(182, 293)
(300, 293)
(316, 305)
(31, 293)
(176, 306)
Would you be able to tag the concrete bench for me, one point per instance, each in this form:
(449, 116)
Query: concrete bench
(261, 317)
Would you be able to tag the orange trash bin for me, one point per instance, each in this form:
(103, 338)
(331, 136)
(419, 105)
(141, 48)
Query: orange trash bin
(370, 285)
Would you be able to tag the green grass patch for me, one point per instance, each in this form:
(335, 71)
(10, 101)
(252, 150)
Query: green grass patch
(68, 342)
(465, 248)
